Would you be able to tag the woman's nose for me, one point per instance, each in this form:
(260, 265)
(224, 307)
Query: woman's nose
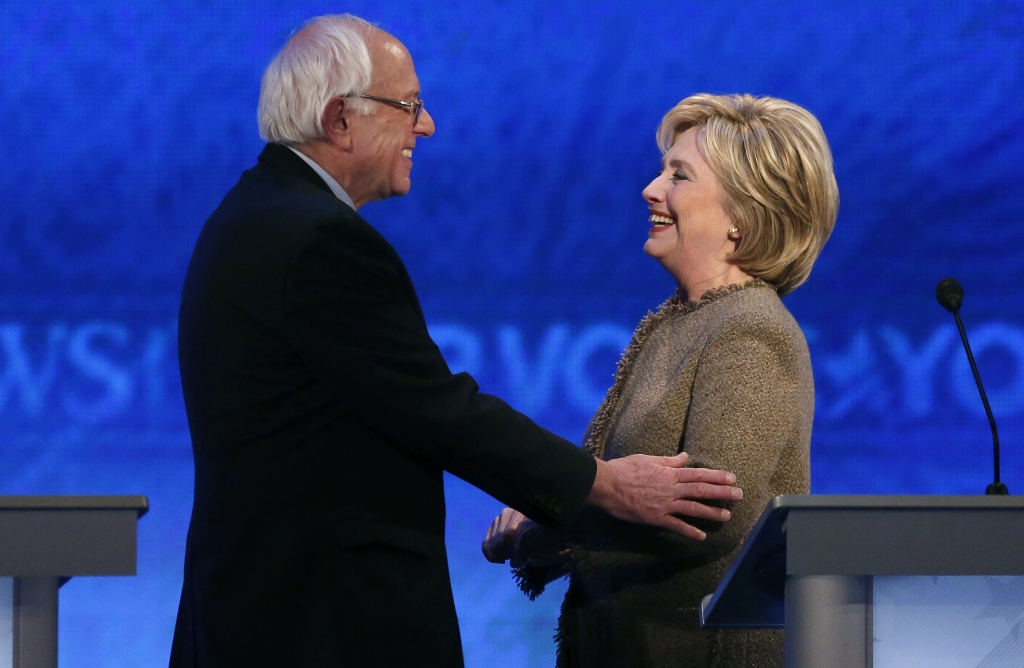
(652, 193)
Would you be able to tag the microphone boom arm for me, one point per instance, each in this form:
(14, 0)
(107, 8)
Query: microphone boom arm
(950, 295)
(984, 401)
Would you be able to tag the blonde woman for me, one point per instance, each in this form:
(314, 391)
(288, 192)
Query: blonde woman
(743, 203)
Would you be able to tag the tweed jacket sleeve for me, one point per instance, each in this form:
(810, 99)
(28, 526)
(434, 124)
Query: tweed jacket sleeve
(750, 411)
(747, 409)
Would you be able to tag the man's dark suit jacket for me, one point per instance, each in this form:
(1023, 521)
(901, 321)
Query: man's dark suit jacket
(322, 417)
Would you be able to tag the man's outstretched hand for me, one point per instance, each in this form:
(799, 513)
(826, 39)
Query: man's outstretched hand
(655, 490)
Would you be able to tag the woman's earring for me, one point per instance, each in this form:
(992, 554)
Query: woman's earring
(733, 232)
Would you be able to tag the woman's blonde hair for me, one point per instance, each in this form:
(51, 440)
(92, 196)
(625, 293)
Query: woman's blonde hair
(775, 168)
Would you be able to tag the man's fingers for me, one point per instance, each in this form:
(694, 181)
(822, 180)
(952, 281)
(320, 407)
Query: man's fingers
(710, 477)
(680, 527)
(703, 491)
(657, 490)
(716, 491)
(699, 510)
(676, 462)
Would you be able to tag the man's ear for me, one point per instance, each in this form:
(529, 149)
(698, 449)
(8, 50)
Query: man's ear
(336, 125)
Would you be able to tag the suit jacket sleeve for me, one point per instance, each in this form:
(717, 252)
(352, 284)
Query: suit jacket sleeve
(354, 319)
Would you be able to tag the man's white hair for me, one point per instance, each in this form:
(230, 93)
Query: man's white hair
(326, 58)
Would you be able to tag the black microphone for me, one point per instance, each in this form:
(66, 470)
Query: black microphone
(951, 296)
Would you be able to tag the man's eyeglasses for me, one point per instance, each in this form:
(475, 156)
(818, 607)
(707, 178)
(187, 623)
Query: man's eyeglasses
(416, 106)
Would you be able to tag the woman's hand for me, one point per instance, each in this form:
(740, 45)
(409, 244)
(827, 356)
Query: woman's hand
(539, 547)
(500, 541)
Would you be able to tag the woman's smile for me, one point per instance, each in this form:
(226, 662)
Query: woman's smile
(659, 222)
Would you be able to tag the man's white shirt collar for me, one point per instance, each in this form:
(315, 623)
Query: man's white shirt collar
(335, 187)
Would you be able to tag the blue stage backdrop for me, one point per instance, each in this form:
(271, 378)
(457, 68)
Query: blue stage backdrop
(124, 123)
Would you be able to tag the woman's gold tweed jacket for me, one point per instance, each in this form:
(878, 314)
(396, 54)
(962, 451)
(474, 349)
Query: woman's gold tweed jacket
(728, 380)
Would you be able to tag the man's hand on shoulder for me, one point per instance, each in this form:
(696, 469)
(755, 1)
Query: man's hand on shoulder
(656, 490)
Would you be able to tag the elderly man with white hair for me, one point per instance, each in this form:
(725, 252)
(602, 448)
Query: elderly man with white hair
(321, 413)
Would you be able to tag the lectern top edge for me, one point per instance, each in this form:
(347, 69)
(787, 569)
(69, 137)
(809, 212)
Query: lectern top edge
(139, 504)
(891, 502)
(863, 536)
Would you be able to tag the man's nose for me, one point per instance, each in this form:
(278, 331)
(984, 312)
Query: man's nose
(425, 124)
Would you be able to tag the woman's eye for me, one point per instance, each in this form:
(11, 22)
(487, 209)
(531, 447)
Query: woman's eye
(679, 176)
